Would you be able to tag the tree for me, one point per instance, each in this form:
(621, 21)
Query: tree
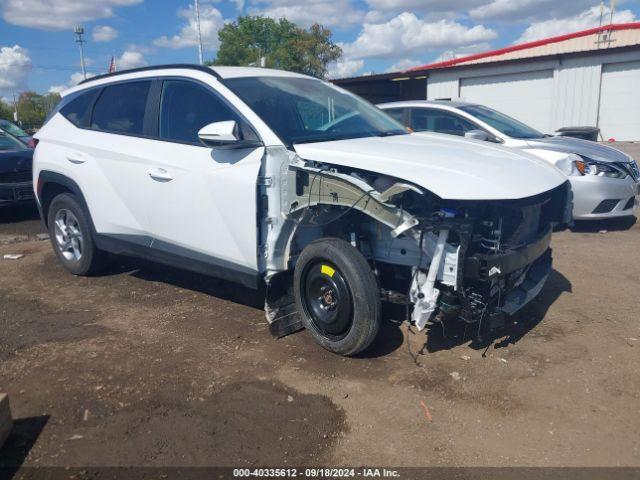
(283, 45)
(33, 108)
(6, 111)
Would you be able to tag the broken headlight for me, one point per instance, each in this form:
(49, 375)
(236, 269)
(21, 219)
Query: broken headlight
(586, 166)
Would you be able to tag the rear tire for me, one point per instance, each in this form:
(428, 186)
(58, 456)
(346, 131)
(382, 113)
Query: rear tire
(337, 296)
(72, 238)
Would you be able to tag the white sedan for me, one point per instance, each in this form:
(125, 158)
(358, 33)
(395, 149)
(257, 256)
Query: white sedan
(604, 180)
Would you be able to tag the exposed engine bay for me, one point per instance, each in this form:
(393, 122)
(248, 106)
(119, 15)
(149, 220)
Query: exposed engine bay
(471, 261)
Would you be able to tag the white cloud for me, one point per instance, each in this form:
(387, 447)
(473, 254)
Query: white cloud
(520, 10)
(462, 52)
(58, 14)
(104, 33)
(558, 26)
(210, 22)
(407, 35)
(333, 13)
(404, 64)
(424, 6)
(344, 68)
(74, 79)
(130, 59)
(15, 64)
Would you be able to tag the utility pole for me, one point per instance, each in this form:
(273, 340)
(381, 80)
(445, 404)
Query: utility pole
(79, 31)
(201, 60)
(613, 9)
(15, 107)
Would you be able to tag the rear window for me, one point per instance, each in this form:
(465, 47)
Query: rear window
(120, 108)
(78, 110)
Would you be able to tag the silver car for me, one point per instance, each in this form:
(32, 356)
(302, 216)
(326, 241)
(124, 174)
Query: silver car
(605, 181)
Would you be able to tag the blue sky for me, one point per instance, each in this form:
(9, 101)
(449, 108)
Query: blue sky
(37, 49)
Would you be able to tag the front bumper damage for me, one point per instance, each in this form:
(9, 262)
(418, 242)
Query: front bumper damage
(477, 262)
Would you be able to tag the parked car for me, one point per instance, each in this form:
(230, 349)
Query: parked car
(605, 181)
(16, 131)
(267, 177)
(15, 171)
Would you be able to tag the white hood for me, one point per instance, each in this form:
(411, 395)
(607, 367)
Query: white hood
(450, 167)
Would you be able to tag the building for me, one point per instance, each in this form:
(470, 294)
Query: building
(587, 78)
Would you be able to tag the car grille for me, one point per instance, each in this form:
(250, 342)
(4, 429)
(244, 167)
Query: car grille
(632, 169)
(15, 177)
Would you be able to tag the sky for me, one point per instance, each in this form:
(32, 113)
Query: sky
(38, 52)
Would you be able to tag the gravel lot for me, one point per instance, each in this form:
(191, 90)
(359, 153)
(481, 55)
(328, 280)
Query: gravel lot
(151, 366)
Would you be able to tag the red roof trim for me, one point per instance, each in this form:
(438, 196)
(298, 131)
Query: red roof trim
(524, 46)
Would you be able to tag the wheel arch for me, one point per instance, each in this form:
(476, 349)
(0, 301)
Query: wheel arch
(51, 184)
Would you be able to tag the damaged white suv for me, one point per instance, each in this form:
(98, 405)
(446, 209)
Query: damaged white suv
(271, 178)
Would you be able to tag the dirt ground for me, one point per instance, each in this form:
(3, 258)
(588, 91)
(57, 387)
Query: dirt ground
(151, 366)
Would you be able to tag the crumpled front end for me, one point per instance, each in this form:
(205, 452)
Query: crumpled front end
(503, 260)
(449, 260)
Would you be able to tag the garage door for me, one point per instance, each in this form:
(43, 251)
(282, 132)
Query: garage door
(619, 101)
(524, 96)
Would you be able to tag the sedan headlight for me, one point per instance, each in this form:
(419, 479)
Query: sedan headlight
(587, 166)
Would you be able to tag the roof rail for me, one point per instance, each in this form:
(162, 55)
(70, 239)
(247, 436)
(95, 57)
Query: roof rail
(189, 66)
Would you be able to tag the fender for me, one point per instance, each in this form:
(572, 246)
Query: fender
(47, 177)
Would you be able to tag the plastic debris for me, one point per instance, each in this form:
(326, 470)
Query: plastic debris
(13, 256)
(455, 375)
(427, 413)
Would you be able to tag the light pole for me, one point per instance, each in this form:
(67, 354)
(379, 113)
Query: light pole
(199, 32)
(79, 31)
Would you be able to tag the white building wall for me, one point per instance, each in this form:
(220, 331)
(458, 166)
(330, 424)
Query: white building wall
(577, 91)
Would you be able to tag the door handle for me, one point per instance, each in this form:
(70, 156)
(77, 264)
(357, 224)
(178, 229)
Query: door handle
(76, 158)
(160, 175)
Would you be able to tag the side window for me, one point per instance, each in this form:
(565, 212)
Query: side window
(440, 121)
(397, 114)
(120, 108)
(186, 107)
(78, 110)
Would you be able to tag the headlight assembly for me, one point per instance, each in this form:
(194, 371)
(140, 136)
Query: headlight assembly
(586, 166)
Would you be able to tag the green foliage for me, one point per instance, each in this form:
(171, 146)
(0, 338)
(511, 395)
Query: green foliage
(6, 111)
(32, 109)
(284, 45)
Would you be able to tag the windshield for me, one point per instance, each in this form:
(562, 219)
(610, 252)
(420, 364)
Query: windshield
(7, 142)
(12, 129)
(501, 122)
(302, 110)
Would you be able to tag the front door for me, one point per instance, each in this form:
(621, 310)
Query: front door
(201, 200)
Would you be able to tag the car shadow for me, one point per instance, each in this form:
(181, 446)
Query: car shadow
(605, 225)
(440, 337)
(23, 436)
(389, 339)
(154, 272)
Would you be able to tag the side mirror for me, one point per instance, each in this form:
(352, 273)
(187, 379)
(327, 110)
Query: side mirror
(477, 135)
(219, 133)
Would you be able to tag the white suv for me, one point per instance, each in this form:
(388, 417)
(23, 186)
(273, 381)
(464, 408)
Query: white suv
(271, 178)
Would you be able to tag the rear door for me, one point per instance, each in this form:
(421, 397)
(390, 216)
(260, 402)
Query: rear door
(202, 201)
(106, 157)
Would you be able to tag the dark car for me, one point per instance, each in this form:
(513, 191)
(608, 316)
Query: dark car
(16, 131)
(16, 184)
